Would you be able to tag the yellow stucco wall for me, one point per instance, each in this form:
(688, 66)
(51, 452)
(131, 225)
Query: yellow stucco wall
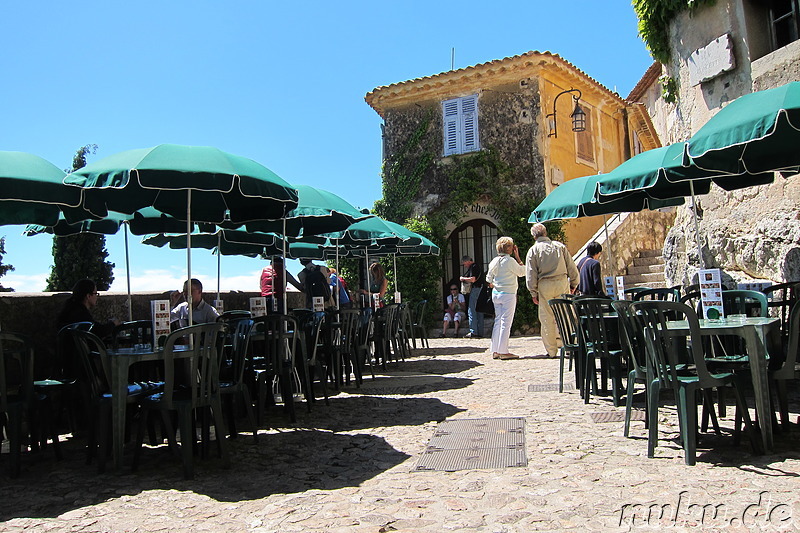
(606, 128)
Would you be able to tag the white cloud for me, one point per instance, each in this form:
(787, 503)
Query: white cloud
(25, 282)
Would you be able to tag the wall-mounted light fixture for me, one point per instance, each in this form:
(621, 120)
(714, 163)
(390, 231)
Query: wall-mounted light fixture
(578, 116)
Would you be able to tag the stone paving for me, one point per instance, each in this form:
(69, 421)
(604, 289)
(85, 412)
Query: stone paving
(350, 466)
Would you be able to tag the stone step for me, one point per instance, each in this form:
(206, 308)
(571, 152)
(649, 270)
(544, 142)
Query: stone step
(645, 279)
(649, 285)
(650, 253)
(646, 269)
(647, 261)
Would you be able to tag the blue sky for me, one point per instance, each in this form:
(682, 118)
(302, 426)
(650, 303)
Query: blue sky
(281, 83)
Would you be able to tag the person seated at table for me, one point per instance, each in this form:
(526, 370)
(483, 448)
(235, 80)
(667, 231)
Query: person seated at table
(78, 308)
(339, 289)
(454, 312)
(272, 285)
(378, 283)
(202, 312)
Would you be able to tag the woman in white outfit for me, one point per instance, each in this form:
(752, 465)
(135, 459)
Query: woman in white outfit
(502, 276)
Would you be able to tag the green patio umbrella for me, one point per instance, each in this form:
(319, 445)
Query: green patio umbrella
(661, 173)
(577, 198)
(193, 183)
(32, 190)
(318, 211)
(757, 132)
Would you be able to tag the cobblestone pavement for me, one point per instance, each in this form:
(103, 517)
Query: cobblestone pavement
(350, 466)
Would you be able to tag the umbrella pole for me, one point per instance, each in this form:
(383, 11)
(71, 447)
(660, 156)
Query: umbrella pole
(396, 277)
(369, 281)
(128, 274)
(610, 251)
(696, 226)
(188, 295)
(338, 274)
(285, 296)
(219, 260)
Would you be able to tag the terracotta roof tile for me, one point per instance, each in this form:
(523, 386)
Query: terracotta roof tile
(648, 78)
(517, 60)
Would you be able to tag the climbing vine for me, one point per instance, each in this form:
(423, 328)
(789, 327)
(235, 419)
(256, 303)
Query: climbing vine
(654, 19)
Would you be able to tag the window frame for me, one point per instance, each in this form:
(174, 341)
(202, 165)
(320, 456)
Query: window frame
(460, 125)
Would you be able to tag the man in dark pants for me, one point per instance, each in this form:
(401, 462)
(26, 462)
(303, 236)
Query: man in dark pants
(473, 275)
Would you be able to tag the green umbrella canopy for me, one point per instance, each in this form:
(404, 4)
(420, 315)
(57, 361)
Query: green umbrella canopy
(318, 211)
(32, 190)
(224, 242)
(223, 186)
(660, 173)
(577, 198)
(143, 222)
(373, 230)
(757, 132)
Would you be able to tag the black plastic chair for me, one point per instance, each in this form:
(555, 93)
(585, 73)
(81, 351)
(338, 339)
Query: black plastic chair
(231, 381)
(186, 393)
(18, 401)
(418, 329)
(94, 381)
(671, 294)
(345, 347)
(789, 369)
(600, 341)
(665, 349)
(567, 323)
(274, 341)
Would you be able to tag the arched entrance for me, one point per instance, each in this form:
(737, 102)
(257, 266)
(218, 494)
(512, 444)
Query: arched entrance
(476, 238)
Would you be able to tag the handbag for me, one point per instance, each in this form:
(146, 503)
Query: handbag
(484, 303)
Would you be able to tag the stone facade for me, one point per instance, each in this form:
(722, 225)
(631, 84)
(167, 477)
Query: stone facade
(752, 233)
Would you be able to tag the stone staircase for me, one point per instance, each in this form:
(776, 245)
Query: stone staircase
(647, 270)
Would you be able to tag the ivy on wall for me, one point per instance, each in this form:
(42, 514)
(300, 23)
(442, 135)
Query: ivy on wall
(654, 19)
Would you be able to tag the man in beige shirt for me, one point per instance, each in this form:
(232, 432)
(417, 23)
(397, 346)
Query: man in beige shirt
(550, 272)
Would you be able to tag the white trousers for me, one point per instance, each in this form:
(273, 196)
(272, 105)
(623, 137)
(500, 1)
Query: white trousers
(505, 305)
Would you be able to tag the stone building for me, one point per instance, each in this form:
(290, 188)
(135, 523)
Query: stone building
(520, 109)
(719, 52)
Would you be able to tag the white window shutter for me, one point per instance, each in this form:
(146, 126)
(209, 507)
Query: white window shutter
(460, 121)
(469, 114)
(450, 117)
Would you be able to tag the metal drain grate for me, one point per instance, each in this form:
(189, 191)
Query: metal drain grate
(616, 416)
(475, 443)
(549, 387)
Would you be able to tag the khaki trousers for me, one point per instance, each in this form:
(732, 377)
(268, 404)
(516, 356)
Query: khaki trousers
(549, 289)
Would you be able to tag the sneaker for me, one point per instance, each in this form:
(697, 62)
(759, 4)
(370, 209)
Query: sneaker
(506, 356)
(471, 335)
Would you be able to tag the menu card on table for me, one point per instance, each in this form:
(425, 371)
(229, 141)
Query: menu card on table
(159, 310)
(258, 306)
(608, 281)
(219, 305)
(711, 293)
(398, 297)
(620, 288)
(318, 302)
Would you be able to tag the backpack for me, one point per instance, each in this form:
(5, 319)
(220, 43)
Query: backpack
(317, 285)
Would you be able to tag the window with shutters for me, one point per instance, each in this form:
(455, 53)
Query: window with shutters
(584, 146)
(460, 120)
(784, 22)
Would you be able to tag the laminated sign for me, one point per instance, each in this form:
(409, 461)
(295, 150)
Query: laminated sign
(159, 309)
(258, 306)
(711, 293)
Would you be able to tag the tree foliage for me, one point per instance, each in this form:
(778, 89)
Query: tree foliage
(4, 269)
(654, 20)
(80, 256)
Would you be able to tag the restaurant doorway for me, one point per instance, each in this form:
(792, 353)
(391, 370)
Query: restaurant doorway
(475, 238)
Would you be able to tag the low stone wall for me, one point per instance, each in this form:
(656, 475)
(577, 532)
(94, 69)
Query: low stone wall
(34, 314)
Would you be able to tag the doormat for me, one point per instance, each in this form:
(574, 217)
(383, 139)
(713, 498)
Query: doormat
(549, 387)
(475, 443)
(616, 416)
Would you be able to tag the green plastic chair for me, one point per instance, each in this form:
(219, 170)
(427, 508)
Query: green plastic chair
(634, 350)
(664, 348)
(789, 369)
(567, 323)
(599, 342)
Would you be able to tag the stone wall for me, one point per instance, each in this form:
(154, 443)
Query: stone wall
(34, 314)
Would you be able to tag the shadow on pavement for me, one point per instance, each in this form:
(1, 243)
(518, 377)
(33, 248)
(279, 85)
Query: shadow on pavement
(440, 366)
